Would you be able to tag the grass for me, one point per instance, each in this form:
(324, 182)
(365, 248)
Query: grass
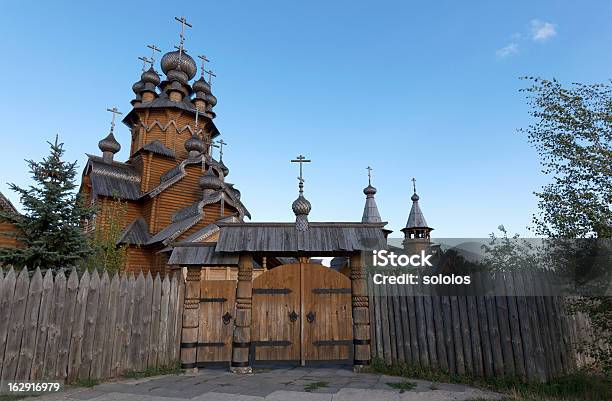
(85, 383)
(579, 386)
(402, 386)
(310, 387)
(172, 369)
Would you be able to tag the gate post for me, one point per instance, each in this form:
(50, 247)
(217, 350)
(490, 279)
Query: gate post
(361, 314)
(241, 342)
(191, 317)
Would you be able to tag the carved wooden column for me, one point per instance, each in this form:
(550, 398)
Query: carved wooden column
(361, 314)
(241, 343)
(191, 314)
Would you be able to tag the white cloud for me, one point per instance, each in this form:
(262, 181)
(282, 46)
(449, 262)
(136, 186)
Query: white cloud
(508, 50)
(542, 31)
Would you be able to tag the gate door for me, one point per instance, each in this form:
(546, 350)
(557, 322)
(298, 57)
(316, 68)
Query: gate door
(302, 312)
(216, 321)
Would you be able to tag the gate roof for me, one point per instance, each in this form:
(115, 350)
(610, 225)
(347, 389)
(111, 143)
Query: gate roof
(284, 238)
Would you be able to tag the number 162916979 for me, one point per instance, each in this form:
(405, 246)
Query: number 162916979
(33, 387)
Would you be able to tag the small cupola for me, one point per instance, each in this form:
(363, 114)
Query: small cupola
(416, 230)
(301, 206)
(109, 145)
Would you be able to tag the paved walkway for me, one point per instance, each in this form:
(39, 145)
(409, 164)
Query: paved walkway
(290, 384)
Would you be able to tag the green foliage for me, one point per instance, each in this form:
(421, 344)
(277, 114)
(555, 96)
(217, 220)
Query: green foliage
(50, 229)
(579, 386)
(310, 387)
(171, 369)
(573, 136)
(108, 255)
(509, 253)
(402, 386)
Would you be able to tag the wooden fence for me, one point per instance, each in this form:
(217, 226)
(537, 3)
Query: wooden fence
(530, 337)
(60, 328)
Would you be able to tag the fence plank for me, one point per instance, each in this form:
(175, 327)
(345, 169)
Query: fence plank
(155, 317)
(371, 308)
(449, 343)
(7, 291)
(120, 326)
(91, 317)
(137, 324)
(101, 329)
(172, 318)
(55, 321)
(457, 335)
(78, 331)
(384, 308)
(503, 320)
(111, 333)
(430, 330)
(67, 326)
(127, 345)
(176, 323)
(515, 328)
(45, 315)
(465, 334)
(28, 340)
(472, 314)
(163, 325)
(405, 325)
(483, 324)
(146, 323)
(439, 333)
(397, 318)
(377, 321)
(180, 283)
(412, 317)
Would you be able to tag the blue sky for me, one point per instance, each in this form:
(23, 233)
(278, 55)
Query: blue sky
(414, 89)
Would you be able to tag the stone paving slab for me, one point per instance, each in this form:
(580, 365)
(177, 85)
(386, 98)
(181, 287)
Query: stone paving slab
(327, 384)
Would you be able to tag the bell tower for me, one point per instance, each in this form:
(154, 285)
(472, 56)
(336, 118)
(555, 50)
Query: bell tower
(417, 232)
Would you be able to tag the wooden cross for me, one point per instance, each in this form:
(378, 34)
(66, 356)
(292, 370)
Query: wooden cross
(414, 184)
(300, 159)
(115, 112)
(369, 175)
(221, 143)
(184, 23)
(144, 62)
(153, 50)
(204, 60)
(210, 75)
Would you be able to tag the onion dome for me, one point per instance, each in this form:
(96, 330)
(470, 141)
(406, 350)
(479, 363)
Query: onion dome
(369, 190)
(150, 76)
(200, 85)
(178, 75)
(415, 197)
(194, 144)
(301, 206)
(211, 100)
(138, 86)
(210, 181)
(109, 144)
(170, 61)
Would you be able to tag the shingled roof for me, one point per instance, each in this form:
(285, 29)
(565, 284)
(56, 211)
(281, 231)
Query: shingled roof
(157, 148)
(116, 179)
(7, 205)
(137, 233)
(200, 254)
(283, 237)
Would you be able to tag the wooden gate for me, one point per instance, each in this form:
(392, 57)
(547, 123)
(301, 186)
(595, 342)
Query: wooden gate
(302, 312)
(217, 300)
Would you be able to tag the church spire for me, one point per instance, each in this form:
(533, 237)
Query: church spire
(416, 230)
(370, 210)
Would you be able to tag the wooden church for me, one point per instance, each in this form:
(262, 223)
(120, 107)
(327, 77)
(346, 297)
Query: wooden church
(172, 188)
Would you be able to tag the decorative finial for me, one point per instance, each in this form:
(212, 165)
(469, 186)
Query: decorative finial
(221, 143)
(370, 210)
(203, 67)
(210, 75)
(369, 190)
(414, 196)
(210, 145)
(153, 50)
(115, 112)
(301, 206)
(369, 175)
(144, 62)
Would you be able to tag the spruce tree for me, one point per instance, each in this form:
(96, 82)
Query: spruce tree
(50, 229)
